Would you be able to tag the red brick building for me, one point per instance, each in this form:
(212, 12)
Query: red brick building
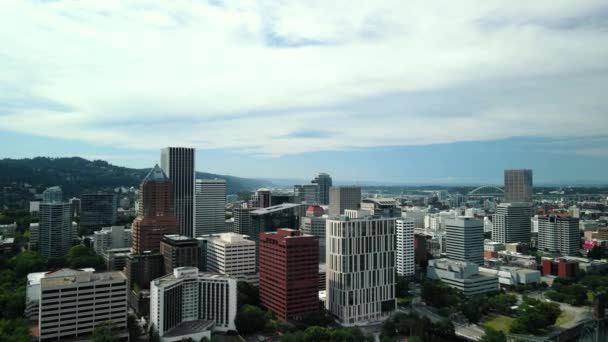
(560, 268)
(156, 216)
(289, 273)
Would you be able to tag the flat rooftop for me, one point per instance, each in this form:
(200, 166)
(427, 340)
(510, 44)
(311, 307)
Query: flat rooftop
(190, 327)
(275, 208)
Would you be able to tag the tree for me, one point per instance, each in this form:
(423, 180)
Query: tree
(103, 333)
(14, 331)
(401, 287)
(492, 335)
(250, 319)
(474, 308)
(133, 327)
(247, 294)
(535, 316)
(81, 256)
(27, 262)
(315, 333)
(595, 253)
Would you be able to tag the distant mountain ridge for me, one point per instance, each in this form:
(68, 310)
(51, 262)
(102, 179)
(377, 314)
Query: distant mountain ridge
(77, 175)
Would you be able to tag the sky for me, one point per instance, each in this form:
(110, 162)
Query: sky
(387, 91)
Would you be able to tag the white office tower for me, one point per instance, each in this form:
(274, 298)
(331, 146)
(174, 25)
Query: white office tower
(178, 163)
(73, 302)
(111, 238)
(210, 206)
(416, 214)
(188, 304)
(559, 235)
(54, 235)
(405, 248)
(464, 239)
(231, 254)
(360, 278)
(512, 223)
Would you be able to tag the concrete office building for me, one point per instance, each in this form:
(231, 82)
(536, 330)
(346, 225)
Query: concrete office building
(179, 251)
(242, 220)
(360, 269)
(463, 276)
(97, 210)
(404, 252)
(231, 254)
(314, 224)
(54, 235)
(73, 302)
(116, 258)
(289, 273)
(385, 207)
(307, 193)
(156, 215)
(464, 239)
(518, 186)
(111, 238)
(183, 303)
(512, 223)
(178, 163)
(559, 235)
(141, 269)
(210, 206)
(325, 182)
(342, 198)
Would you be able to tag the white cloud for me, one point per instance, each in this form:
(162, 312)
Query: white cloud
(245, 75)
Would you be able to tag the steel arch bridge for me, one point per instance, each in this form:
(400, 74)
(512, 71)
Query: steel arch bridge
(487, 190)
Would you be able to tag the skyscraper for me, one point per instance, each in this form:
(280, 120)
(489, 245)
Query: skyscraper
(342, 198)
(308, 193)
(559, 234)
(55, 224)
(179, 251)
(405, 262)
(464, 239)
(97, 210)
(518, 185)
(289, 273)
(262, 198)
(324, 181)
(210, 206)
(512, 223)
(156, 215)
(360, 269)
(178, 164)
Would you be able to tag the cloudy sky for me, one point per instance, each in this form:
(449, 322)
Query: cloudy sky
(399, 91)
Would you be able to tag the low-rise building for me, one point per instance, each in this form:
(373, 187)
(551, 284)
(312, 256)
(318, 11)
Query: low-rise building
(463, 276)
(491, 249)
(513, 275)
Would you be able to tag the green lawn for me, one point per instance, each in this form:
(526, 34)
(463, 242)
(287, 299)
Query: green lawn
(590, 296)
(564, 318)
(500, 322)
(404, 301)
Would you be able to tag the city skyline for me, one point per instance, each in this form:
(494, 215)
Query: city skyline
(395, 85)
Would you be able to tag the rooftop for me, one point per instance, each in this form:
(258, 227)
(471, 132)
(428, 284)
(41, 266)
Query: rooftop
(275, 208)
(190, 327)
(67, 276)
(156, 175)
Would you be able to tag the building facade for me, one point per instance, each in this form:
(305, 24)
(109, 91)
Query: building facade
(262, 198)
(314, 224)
(405, 263)
(559, 234)
(111, 238)
(518, 186)
(360, 269)
(289, 273)
(179, 251)
(464, 239)
(231, 254)
(324, 181)
(178, 163)
(307, 193)
(97, 210)
(342, 198)
(512, 222)
(463, 276)
(73, 302)
(186, 295)
(210, 206)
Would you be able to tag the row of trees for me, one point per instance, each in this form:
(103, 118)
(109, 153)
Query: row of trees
(316, 333)
(417, 328)
(535, 316)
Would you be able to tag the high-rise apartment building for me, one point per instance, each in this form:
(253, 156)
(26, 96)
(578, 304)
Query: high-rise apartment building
(342, 198)
(73, 302)
(178, 163)
(314, 224)
(518, 185)
(307, 193)
(179, 251)
(512, 222)
(405, 261)
(360, 269)
(182, 303)
(156, 215)
(231, 254)
(289, 273)
(54, 234)
(210, 206)
(262, 198)
(97, 210)
(464, 239)
(324, 181)
(559, 234)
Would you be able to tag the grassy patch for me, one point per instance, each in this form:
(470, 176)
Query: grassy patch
(590, 296)
(404, 301)
(500, 322)
(564, 318)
